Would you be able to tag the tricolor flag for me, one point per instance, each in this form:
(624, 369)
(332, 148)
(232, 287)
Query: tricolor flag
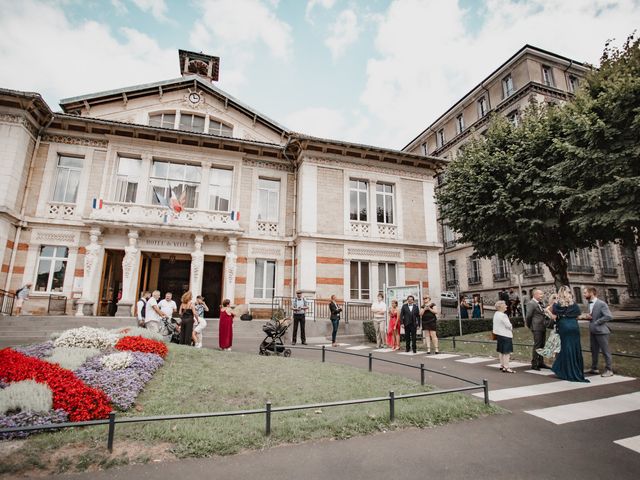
(235, 215)
(177, 204)
(160, 198)
(97, 203)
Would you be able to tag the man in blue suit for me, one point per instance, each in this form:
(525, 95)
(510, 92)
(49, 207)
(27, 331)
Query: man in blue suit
(598, 316)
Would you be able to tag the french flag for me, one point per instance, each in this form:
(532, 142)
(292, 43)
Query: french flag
(97, 203)
(235, 215)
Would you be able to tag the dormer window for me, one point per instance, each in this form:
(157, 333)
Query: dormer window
(163, 120)
(191, 123)
(219, 128)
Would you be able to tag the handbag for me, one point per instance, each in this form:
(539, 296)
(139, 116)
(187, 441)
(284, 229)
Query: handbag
(551, 347)
(493, 336)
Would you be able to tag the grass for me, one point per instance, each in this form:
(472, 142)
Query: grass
(211, 381)
(620, 341)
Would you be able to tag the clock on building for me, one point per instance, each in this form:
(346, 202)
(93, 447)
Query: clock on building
(194, 97)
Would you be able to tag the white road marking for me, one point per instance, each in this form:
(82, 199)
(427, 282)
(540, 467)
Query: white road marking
(442, 356)
(511, 365)
(383, 350)
(632, 443)
(408, 353)
(358, 347)
(576, 412)
(328, 345)
(551, 387)
(544, 372)
(476, 360)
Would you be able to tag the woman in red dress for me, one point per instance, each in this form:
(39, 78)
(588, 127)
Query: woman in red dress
(225, 333)
(393, 333)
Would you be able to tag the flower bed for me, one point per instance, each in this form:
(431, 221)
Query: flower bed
(105, 370)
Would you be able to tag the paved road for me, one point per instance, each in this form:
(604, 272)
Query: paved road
(517, 445)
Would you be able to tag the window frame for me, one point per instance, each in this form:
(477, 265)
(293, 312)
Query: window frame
(550, 81)
(362, 293)
(167, 182)
(386, 268)
(213, 188)
(483, 106)
(51, 274)
(508, 86)
(459, 123)
(262, 289)
(269, 191)
(193, 116)
(573, 83)
(122, 179)
(385, 196)
(67, 170)
(162, 121)
(358, 191)
(220, 130)
(440, 139)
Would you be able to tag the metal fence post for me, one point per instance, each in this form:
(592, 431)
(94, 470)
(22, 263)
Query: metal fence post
(112, 431)
(268, 419)
(485, 382)
(323, 353)
(392, 406)
(370, 361)
(454, 342)
(422, 374)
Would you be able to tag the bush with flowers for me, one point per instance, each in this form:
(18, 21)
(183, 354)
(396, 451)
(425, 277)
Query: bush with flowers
(87, 337)
(117, 361)
(140, 344)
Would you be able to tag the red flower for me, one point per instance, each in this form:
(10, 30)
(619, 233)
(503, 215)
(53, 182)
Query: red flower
(141, 344)
(80, 401)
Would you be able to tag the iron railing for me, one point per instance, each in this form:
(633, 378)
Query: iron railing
(6, 302)
(57, 305)
(579, 268)
(612, 271)
(268, 409)
(319, 309)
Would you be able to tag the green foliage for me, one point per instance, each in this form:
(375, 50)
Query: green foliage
(71, 357)
(451, 328)
(369, 331)
(24, 396)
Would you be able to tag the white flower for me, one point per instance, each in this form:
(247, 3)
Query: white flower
(117, 361)
(87, 337)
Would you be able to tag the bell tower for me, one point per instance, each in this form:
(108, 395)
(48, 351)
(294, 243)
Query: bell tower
(192, 63)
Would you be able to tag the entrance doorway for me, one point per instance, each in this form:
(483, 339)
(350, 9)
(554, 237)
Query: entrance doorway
(212, 287)
(173, 276)
(111, 282)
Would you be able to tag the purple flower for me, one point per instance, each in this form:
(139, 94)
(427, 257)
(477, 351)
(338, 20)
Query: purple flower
(37, 350)
(23, 419)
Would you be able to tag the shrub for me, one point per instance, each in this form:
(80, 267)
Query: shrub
(26, 396)
(87, 337)
(369, 331)
(71, 357)
(37, 350)
(451, 328)
(117, 361)
(139, 344)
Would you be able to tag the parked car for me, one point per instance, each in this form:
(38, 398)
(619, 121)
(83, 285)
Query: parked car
(448, 299)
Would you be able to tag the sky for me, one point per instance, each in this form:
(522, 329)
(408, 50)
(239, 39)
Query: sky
(367, 71)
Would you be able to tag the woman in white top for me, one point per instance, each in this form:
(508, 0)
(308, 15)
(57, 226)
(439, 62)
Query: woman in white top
(503, 330)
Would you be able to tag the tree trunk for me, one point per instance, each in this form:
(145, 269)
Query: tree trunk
(558, 266)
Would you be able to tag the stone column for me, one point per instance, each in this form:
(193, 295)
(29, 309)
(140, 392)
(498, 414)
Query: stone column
(230, 270)
(197, 266)
(93, 259)
(130, 271)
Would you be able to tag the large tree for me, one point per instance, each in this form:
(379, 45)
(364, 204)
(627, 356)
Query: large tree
(499, 195)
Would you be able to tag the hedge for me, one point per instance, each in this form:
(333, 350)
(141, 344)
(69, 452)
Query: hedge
(451, 328)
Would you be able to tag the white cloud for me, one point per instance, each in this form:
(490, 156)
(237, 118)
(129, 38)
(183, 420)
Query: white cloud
(342, 33)
(157, 8)
(119, 6)
(427, 57)
(328, 123)
(311, 4)
(79, 59)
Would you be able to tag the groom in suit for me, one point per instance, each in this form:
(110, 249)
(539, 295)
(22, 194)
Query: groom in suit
(598, 316)
(410, 316)
(536, 322)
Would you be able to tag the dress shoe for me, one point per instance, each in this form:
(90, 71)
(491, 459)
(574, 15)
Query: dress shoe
(545, 366)
(593, 371)
(535, 368)
(607, 373)
(304, 343)
(428, 353)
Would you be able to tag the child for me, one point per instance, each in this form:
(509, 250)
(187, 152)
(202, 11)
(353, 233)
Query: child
(200, 323)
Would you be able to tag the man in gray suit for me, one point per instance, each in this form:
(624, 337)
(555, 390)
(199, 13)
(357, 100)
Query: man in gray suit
(598, 316)
(536, 322)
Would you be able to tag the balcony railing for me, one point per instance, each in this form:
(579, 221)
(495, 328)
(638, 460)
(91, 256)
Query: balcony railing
(267, 228)
(610, 271)
(579, 268)
(450, 243)
(533, 271)
(361, 229)
(386, 230)
(451, 284)
(475, 280)
(60, 210)
(500, 276)
(131, 213)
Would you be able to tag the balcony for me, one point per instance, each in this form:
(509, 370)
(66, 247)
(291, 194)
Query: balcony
(361, 229)
(61, 210)
(386, 230)
(157, 215)
(450, 243)
(452, 284)
(500, 277)
(533, 271)
(588, 269)
(476, 280)
(267, 228)
(610, 271)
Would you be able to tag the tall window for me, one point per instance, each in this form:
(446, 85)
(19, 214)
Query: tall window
(474, 270)
(452, 272)
(500, 268)
(425, 148)
(580, 261)
(358, 200)
(164, 120)
(608, 262)
(459, 123)
(268, 199)
(127, 179)
(359, 287)
(67, 179)
(547, 76)
(514, 118)
(450, 237)
(384, 203)
(507, 86)
(191, 123)
(179, 177)
(440, 138)
(220, 189)
(483, 107)
(386, 275)
(264, 285)
(51, 267)
(218, 128)
(573, 83)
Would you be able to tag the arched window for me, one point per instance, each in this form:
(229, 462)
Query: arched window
(219, 128)
(191, 122)
(163, 120)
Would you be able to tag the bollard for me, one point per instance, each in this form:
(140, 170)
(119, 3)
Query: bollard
(485, 382)
(112, 431)
(323, 353)
(268, 419)
(370, 361)
(454, 343)
(422, 374)
(392, 406)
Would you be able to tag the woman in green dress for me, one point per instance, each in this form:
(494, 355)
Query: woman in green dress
(569, 364)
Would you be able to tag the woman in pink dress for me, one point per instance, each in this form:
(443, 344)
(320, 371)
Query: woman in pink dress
(225, 333)
(393, 333)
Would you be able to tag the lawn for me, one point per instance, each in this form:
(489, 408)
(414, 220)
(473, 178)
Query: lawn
(208, 381)
(621, 341)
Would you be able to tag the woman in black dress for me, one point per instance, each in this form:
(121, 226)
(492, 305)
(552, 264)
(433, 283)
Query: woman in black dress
(429, 311)
(188, 315)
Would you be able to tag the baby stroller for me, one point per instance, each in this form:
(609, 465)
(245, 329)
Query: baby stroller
(170, 330)
(272, 343)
